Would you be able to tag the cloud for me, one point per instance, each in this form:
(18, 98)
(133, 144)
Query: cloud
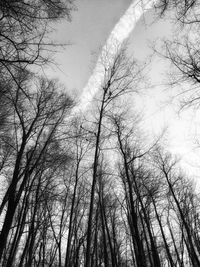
(119, 34)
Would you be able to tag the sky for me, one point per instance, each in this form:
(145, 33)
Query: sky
(87, 33)
(90, 27)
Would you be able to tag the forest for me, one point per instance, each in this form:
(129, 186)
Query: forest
(88, 189)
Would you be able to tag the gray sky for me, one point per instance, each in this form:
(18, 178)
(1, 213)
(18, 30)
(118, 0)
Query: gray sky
(90, 27)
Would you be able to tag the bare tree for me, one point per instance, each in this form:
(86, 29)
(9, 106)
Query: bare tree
(37, 116)
(119, 79)
(166, 165)
(186, 11)
(23, 30)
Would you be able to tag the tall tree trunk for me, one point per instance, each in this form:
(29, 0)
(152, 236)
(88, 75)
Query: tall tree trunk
(94, 180)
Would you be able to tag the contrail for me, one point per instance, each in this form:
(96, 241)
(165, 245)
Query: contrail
(119, 34)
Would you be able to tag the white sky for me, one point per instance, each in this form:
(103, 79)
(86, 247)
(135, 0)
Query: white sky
(121, 31)
(90, 28)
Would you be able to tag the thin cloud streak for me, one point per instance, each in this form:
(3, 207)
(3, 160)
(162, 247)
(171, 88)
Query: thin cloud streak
(119, 34)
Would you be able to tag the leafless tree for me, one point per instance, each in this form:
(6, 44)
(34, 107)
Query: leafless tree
(119, 80)
(36, 118)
